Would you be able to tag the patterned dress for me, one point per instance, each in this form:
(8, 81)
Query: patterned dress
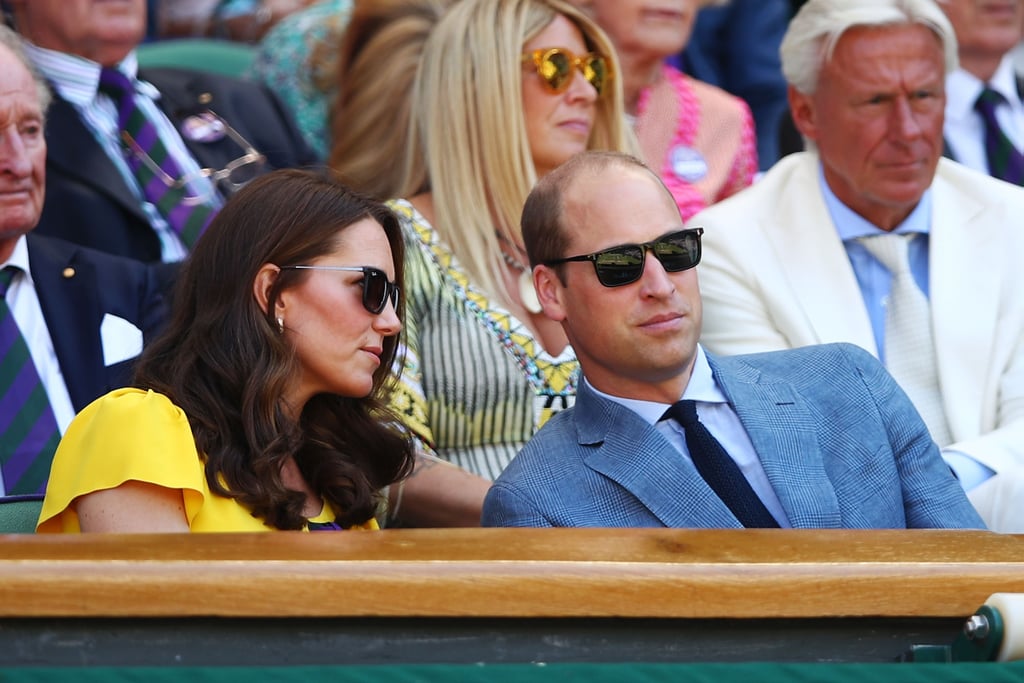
(295, 60)
(475, 384)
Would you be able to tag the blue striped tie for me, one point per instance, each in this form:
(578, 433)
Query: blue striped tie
(188, 217)
(1004, 161)
(28, 430)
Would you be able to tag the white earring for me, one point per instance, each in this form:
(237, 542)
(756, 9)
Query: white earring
(280, 324)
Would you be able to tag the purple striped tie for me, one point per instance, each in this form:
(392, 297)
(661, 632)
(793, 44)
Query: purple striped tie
(187, 216)
(1004, 160)
(28, 430)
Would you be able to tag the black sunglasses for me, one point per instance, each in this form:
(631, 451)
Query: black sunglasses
(377, 289)
(624, 264)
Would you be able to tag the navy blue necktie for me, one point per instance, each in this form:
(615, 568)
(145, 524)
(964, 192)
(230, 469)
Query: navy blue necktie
(720, 471)
(1004, 160)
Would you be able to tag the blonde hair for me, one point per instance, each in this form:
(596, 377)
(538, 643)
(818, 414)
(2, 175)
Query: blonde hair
(376, 64)
(470, 131)
(815, 31)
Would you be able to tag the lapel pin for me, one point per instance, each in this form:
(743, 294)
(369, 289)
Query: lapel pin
(203, 127)
(68, 273)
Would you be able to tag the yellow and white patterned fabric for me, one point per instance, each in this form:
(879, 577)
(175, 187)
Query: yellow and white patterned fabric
(475, 383)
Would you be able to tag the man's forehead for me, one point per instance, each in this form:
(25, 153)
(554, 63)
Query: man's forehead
(884, 55)
(15, 79)
(615, 196)
(597, 185)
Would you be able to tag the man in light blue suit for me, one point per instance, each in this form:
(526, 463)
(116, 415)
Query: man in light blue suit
(818, 437)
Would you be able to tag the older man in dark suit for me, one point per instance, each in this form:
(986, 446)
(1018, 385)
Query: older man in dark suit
(71, 319)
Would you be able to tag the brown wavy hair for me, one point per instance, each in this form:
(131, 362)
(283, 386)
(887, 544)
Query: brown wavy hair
(223, 361)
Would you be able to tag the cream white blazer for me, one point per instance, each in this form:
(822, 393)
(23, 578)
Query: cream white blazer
(775, 275)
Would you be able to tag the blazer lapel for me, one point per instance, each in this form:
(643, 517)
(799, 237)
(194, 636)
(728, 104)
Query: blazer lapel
(960, 242)
(73, 150)
(779, 424)
(810, 253)
(639, 459)
(72, 317)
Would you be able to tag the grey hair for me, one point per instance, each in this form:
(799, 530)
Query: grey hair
(12, 41)
(814, 32)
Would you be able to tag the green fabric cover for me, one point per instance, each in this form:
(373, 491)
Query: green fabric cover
(539, 673)
(19, 514)
(222, 57)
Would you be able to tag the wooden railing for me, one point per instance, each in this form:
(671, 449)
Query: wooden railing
(511, 573)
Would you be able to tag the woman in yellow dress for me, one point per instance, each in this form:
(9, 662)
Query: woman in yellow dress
(263, 404)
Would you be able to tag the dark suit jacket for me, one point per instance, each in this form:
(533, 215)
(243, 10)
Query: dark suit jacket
(88, 202)
(76, 288)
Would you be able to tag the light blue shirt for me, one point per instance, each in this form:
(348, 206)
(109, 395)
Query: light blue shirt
(873, 278)
(875, 282)
(722, 422)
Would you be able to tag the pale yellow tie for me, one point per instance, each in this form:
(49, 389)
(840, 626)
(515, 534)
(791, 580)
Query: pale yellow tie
(909, 346)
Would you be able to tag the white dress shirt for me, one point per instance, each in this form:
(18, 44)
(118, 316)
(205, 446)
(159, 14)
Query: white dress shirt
(964, 130)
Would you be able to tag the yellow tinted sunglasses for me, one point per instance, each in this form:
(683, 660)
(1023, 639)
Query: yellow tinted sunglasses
(555, 67)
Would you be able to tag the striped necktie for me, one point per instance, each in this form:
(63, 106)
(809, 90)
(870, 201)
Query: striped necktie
(909, 345)
(719, 470)
(160, 179)
(1004, 160)
(28, 430)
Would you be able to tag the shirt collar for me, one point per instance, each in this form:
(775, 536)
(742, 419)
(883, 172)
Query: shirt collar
(851, 225)
(701, 387)
(963, 88)
(77, 79)
(19, 258)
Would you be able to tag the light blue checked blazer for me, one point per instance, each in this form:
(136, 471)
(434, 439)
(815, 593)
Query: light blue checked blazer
(839, 440)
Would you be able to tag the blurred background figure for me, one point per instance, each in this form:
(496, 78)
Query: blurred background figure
(699, 138)
(735, 46)
(297, 60)
(141, 159)
(377, 62)
(506, 91)
(984, 126)
(240, 20)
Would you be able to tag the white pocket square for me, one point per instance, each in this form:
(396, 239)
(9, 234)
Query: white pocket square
(121, 339)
